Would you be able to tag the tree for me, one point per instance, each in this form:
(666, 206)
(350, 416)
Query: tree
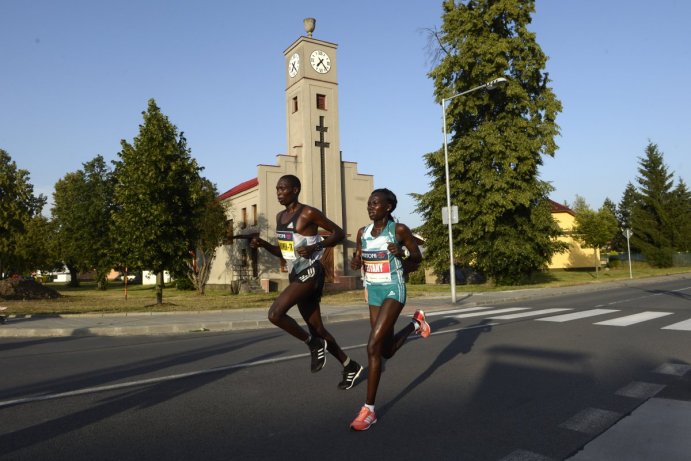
(34, 246)
(623, 214)
(81, 212)
(651, 217)
(498, 139)
(211, 227)
(157, 199)
(595, 229)
(18, 206)
(680, 204)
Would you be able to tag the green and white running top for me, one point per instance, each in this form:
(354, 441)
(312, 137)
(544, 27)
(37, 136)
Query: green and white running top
(381, 267)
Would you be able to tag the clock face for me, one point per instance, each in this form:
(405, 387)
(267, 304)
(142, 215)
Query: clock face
(294, 65)
(320, 61)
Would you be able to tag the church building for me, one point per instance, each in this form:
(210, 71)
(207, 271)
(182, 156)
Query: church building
(313, 155)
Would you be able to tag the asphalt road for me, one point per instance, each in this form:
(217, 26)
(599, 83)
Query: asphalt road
(516, 381)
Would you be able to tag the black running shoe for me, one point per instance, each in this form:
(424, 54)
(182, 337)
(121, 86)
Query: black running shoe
(350, 375)
(318, 350)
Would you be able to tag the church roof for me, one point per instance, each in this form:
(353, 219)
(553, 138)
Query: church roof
(243, 186)
(559, 208)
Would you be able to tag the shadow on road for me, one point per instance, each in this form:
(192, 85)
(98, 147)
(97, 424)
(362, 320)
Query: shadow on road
(461, 344)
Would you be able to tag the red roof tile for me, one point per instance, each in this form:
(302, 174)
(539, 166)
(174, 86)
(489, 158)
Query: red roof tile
(559, 208)
(243, 186)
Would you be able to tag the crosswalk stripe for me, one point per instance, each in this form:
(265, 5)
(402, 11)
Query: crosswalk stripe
(685, 326)
(456, 311)
(577, 315)
(635, 318)
(528, 314)
(487, 313)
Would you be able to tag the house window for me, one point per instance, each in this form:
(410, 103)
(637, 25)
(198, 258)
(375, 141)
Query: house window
(244, 218)
(254, 215)
(321, 101)
(295, 104)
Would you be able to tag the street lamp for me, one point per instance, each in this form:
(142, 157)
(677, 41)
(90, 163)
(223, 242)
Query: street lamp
(489, 85)
(628, 233)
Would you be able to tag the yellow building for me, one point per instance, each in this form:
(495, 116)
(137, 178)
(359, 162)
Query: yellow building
(314, 156)
(576, 257)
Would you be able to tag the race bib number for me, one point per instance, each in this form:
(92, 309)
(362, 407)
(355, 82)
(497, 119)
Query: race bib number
(286, 244)
(377, 267)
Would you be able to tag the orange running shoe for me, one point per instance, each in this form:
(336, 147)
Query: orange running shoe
(364, 420)
(424, 330)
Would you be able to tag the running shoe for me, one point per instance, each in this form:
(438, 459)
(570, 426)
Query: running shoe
(350, 374)
(423, 330)
(318, 351)
(364, 420)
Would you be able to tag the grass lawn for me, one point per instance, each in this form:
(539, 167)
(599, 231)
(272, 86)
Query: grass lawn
(139, 298)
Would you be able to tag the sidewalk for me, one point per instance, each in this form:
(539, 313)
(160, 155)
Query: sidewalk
(160, 323)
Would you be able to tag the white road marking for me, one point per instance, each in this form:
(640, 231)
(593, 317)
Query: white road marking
(634, 318)
(577, 315)
(684, 326)
(528, 314)
(591, 421)
(675, 369)
(456, 311)
(640, 390)
(486, 314)
(142, 382)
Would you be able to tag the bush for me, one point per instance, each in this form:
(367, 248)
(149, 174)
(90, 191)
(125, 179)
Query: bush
(417, 277)
(184, 284)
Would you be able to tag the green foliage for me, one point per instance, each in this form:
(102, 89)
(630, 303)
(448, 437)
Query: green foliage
(652, 214)
(497, 142)
(595, 229)
(18, 206)
(417, 277)
(680, 204)
(34, 246)
(81, 213)
(157, 199)
(210, 223)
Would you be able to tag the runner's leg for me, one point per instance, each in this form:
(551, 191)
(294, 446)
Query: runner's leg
(382, 319)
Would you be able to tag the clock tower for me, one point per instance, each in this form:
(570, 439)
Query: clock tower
(312, 121)
(313, 155)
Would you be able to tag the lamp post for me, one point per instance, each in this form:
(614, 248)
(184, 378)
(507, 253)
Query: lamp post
(489, 85)
(628, 233)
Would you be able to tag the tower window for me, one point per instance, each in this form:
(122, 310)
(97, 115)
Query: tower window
(295, 104)
(254, 215)
(244, 218)
(321, 101)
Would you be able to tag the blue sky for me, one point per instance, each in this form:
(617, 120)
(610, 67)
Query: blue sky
(76, 76)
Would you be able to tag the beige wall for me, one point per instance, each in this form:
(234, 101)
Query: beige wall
(576, 257)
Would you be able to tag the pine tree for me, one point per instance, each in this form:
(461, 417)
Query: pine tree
(680, 205)
(651, 217)
(156, 199)
(497, 142)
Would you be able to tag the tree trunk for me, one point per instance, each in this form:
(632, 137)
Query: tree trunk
(159, 287)
(74, 281)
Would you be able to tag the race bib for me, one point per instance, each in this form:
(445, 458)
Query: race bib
(376, 265)
(287, 245)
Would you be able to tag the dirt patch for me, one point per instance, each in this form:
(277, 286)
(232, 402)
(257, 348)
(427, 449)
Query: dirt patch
(26, 290)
